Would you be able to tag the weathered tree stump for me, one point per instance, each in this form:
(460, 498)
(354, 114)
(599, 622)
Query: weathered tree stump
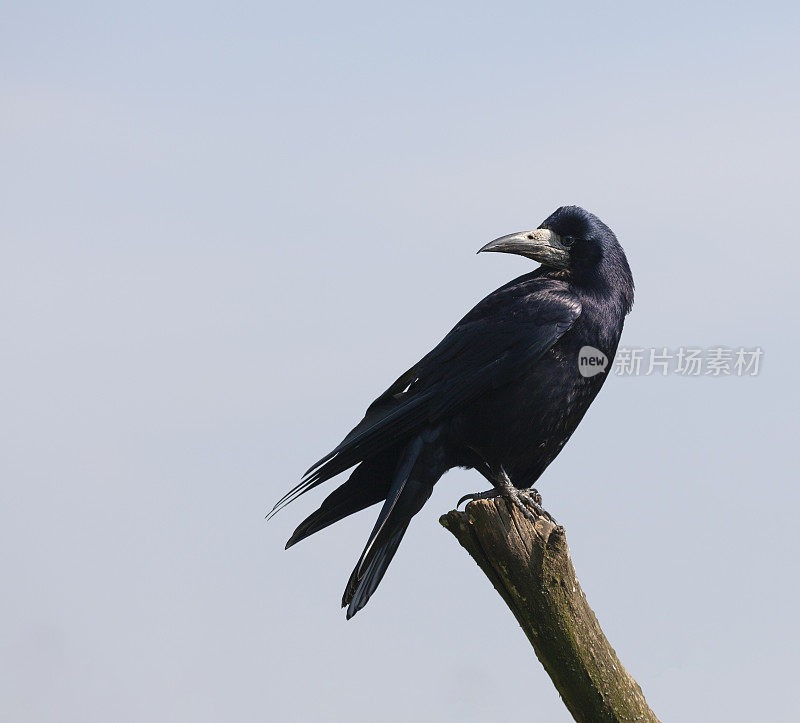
(534, 575)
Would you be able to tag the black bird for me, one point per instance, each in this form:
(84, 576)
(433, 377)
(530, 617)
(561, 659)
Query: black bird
(501, 393)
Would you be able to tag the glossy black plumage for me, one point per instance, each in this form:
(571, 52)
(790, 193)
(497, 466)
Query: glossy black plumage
(501, 393)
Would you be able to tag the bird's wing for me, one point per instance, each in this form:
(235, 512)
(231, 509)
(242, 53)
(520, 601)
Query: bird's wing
(495, 342)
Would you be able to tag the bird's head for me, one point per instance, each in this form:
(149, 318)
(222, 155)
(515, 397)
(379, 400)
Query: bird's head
(568, 238)
(577, 243)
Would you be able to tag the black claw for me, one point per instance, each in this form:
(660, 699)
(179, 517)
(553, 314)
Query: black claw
(526, 511)
(535, 500)
(489, 494)
(516, 500)
(470, 497)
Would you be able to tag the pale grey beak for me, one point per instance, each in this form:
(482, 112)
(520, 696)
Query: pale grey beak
(542, 245)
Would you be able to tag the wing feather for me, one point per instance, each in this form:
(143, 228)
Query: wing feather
(491, 346)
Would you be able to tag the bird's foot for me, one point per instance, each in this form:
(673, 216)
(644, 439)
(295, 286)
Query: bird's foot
(527, 501)
(535, 501)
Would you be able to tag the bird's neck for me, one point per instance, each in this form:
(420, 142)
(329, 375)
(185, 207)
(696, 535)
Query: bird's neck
(608, 288)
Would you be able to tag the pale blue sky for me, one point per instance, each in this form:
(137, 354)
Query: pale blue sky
(226, 229)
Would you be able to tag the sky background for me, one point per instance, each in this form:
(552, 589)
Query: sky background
(227, 228)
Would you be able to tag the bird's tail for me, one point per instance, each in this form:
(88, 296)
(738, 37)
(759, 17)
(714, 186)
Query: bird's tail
(411, 486)
(368, 484)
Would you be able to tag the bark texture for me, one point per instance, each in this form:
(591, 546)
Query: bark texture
(534, 575)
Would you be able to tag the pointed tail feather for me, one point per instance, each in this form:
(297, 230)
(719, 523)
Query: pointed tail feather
(394, 419)
(369, 484)
(360, 589)
(411, 487)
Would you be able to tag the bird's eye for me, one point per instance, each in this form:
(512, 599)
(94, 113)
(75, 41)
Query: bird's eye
(568, 240)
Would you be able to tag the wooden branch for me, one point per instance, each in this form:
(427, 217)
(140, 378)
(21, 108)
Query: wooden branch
(534, 575)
